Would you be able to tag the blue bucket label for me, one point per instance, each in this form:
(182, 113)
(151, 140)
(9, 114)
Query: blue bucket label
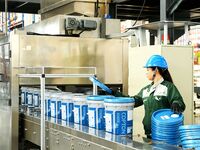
(70, 112)
(101, 119)
(121, 122)
(109, 121)
(59, 110)
(30, 99)
(36, 100)
(23, 98)
(77, 114)
(46, 107)
(85, 115)
(49, 107)
(64, 111)
(26, 97)
(92, 117)
(53, 109)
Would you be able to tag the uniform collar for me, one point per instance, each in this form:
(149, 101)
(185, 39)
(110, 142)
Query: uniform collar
(158, 82)
(154, 85)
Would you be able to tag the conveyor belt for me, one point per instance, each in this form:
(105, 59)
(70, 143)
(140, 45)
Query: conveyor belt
(61, 135)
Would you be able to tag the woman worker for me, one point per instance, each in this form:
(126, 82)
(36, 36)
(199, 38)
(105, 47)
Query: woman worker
(160, 94)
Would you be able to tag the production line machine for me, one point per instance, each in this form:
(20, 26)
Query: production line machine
(31, 54)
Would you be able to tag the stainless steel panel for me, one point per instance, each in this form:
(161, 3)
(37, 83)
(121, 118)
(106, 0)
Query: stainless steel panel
(56, 26)
(14, 91)
(54, 139)
(70, 7)
(32, 132)
(63, 135)
(66, 140)
(5, 127)
(74, 52)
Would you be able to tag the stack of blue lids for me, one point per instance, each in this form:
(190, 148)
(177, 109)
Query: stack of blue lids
(190, 136)
(165, 126)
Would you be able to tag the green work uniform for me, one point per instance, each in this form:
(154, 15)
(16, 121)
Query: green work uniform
(156, 97)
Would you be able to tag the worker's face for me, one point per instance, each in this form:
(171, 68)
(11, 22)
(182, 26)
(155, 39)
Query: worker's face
(150, 73)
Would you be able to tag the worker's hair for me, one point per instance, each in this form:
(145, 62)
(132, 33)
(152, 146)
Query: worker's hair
(164, 73)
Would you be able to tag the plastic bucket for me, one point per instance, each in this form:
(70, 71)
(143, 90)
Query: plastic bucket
(29, 97)
(80, 110)
(119, 115)
(36, 97)
(48, 103)
(67, 107)
(96, 111)
(23, 95)
(53, 104)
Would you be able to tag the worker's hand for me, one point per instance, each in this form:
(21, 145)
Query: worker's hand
(176, 108)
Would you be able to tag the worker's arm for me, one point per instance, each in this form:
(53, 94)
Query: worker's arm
(175, 99)
(137, 98)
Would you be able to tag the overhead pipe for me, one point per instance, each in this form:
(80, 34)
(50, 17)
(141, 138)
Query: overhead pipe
(6, 19)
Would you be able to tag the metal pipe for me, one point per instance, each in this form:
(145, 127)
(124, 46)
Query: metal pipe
(175, 6)
(2, 21)
(186, 34)
(94, 89)
(163, 11)
(6, 10)
(140, 36)
(165, 33)
(56, 75)
(158, 37)
(42, 121)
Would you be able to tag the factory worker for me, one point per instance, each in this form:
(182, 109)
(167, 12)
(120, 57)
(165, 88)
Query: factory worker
(160, 94)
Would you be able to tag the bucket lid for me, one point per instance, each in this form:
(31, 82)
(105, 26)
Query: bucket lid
(166, 117)
(119, 100)
(100, 84)
(98, 97)
(189, 127)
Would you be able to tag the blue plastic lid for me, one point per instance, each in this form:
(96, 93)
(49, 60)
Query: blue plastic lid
(100, 84)
(98, 97)
(119, 100)
(188, 127)
(167, 117)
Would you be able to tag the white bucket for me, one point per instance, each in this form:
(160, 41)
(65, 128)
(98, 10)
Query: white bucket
(96, 111)
(29, 97)
(47, 103)
(66, 109)
(24, 91)
(36, 98)
(53, 104)
(119, 115)
(80, 110)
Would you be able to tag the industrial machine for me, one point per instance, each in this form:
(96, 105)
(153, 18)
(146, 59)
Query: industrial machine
(33, 53)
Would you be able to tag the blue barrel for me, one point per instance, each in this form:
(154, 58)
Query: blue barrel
(96, 111)
(119, 115)
(164, 126)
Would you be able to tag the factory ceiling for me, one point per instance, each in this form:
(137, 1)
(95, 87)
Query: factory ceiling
(177, 9)
(126, 9)
(25, 6)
